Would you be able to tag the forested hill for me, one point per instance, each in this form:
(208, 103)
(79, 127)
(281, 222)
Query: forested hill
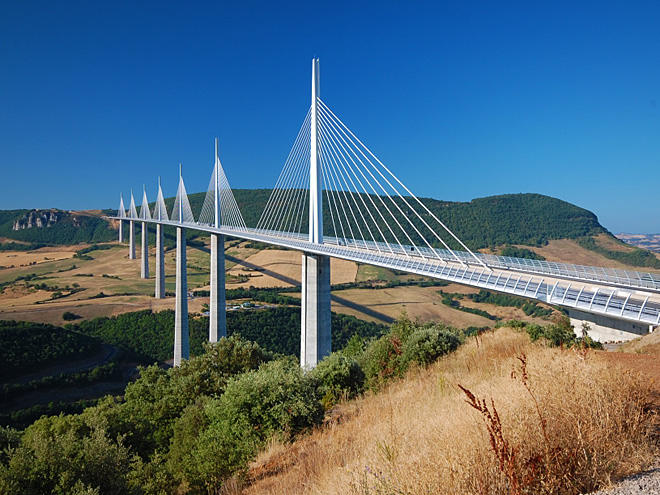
(529, 219)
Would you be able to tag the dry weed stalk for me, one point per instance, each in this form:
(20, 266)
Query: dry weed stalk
(507, 455)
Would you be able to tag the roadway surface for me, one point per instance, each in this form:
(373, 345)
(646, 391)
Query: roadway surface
(621, 294)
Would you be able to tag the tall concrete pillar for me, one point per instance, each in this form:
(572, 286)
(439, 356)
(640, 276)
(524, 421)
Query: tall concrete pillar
(121, 231)
(181, 344)
(144, 264)
(131, 240)
(316, 334)
(218, 315)
(160, 263)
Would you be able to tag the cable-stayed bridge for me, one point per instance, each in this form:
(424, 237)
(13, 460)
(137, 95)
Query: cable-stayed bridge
(335, 198)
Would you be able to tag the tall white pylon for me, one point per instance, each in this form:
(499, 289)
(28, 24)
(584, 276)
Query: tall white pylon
(160, 214)
(315, 331)
(132, 214)
(217, 312)
(181, 342)
(315, 185)
(121, 213)
(144, 247)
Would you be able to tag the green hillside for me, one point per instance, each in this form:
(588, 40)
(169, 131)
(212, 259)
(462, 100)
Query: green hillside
(529, 219)
(29, 347)
(526, 219)
(72, 228)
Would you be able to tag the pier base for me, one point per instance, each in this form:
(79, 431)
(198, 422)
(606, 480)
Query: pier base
(316, 334)
(160, 263)
(131, 240)
(144, 247)
(181, 342)
(217, 311)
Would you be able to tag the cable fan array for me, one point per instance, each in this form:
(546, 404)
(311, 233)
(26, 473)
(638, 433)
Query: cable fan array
(364, 204)
(226, 206)
(220, 199)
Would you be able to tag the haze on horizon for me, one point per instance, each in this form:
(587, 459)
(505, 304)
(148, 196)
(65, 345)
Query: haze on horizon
(460, 100)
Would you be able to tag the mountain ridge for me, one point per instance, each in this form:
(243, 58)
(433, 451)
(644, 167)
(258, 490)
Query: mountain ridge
(489, 223)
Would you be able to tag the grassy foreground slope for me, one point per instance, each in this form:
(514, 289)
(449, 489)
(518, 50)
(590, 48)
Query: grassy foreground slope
(531, 420)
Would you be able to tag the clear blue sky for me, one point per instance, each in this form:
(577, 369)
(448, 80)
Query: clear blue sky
(461, 99)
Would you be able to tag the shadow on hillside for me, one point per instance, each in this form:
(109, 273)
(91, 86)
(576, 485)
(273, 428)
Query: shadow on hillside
(340, 300)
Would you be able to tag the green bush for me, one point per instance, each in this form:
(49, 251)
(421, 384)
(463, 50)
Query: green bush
(69, 316)
(337, 377)
(381, 361)
(275, 398)
(215, 439)
(67, 454)
(427, 344)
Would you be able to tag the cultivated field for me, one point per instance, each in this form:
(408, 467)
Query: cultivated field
(118, 279)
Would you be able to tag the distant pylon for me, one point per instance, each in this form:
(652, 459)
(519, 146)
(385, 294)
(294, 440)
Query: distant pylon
(217, 303)
(181, 342)
(160, 213)
(145, 215)
(121, 213)
(132, 214)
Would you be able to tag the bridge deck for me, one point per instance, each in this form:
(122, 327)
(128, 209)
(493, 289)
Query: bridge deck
(622, 294)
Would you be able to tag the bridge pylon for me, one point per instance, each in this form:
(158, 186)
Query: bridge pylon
(181, 335)
(315, 332)
(217, 304)
(160, 214)
(131, 234)
(144, 246)
(121, 214)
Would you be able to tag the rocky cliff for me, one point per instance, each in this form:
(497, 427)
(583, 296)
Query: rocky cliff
(39, 219)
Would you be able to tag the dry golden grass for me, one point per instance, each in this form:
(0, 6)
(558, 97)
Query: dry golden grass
(19, 259)
(566, 423)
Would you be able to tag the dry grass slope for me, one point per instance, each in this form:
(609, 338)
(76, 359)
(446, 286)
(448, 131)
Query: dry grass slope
(558, 421)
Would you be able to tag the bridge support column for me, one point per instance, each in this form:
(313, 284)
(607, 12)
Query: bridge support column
(217, 312)
(605, 328)
(131, 240)
(181, 344)
(315, 335)
(121, 231)
(144, 264)
(160, 263)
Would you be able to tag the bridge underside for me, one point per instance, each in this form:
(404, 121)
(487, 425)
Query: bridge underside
(603, 328)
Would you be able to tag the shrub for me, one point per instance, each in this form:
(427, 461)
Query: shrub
(337, 377)
(275, 398)
(381, 360)
(427, 344)
(69, 316)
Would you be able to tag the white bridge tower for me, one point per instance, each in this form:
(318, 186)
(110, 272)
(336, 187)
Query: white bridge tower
(315, 335)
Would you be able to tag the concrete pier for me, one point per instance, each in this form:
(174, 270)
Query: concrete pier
(217, 313)
(131, 240)
(144, 247)
(121, 231)
(605, 328)
(316, 334)
(160, 263)
(181, 343)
